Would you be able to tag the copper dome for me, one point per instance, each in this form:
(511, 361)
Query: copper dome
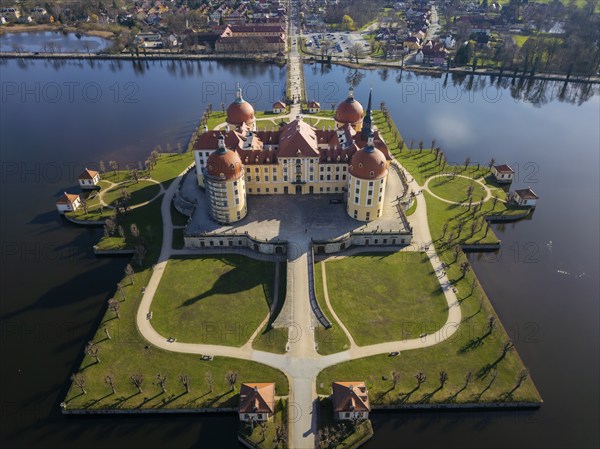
(239, 113)
(224, 165)
(349, 110)
(368, 163)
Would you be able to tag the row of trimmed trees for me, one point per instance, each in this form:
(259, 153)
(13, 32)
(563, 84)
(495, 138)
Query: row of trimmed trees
(137, 379)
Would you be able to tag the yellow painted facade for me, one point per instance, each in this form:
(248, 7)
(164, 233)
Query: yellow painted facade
(365, 198)
(227, 199)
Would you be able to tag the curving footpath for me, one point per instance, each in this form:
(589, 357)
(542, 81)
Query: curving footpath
(301, 364)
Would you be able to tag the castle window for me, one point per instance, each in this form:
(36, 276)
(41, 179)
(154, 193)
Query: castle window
(372, 173)
(267, 190)
(275, 190)
(369, 202)
(247, 168)
(274, 177)
(258, 190)
(357, 191)
(257, 178)
(371, 183)
(360, 165)
(249, 178)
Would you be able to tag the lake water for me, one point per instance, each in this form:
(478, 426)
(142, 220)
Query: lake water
(58, 116)
(52, 42)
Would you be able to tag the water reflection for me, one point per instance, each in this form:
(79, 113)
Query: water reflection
(537, 92)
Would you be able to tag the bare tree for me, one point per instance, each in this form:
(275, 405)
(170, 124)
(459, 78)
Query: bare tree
(109, 381)
(185, 381)
(355, 51)
(120, 290)
(443, 378)
(464, 268)
(92, 350)
(444, 229)
(395, 378)
(129, 272)
(231, 379)
(491, 163)
(208, 377)
(137, 380)
(421, 378)
(114, 165)
(79, 380)
(162, 382)
(114, 306)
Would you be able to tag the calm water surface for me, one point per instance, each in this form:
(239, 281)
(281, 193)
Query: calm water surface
(57, 117)
(52, 42)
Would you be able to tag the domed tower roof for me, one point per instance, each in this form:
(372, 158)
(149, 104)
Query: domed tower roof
(224, 164)
(368, 162)
(240, 111)
(349, 110)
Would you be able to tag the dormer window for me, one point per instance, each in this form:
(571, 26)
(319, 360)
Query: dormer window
(360, 165)
(372, 173)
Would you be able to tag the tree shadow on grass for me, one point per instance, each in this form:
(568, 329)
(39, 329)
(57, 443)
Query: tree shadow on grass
(95, 401)
(234, 281)
(146, 400)
(123, 399)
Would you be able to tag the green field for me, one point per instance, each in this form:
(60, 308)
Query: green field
(471, 349)
(386, 296)
(274, 339)
(216, 300)
(140, 192)
(127, 353)
(454, 188)
(332, 340)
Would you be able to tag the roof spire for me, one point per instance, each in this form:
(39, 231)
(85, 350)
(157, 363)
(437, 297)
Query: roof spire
(351, 93)
(367, 125)
(221, 145)
(238, 93)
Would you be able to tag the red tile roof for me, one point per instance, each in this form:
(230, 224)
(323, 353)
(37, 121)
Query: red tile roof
(527, 194)
(503, 168)
(67, 198)
(298, 138)
(257, 398)
(350, 397)
(88, 174)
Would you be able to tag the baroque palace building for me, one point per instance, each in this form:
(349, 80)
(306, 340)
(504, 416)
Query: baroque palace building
(296, 158)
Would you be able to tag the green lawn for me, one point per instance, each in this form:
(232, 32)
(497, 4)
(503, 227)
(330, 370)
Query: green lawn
(274, 339)
(214, 299)
(140, 192)
(411, 210)
(454, 188)
(386, 296)
(147, 218)
(216, 118)
(520, 40)
(127, 353)
(471, 348)
(169, 166)
(95, 212)
(468, 350)
(332, 340)
(255, 435)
